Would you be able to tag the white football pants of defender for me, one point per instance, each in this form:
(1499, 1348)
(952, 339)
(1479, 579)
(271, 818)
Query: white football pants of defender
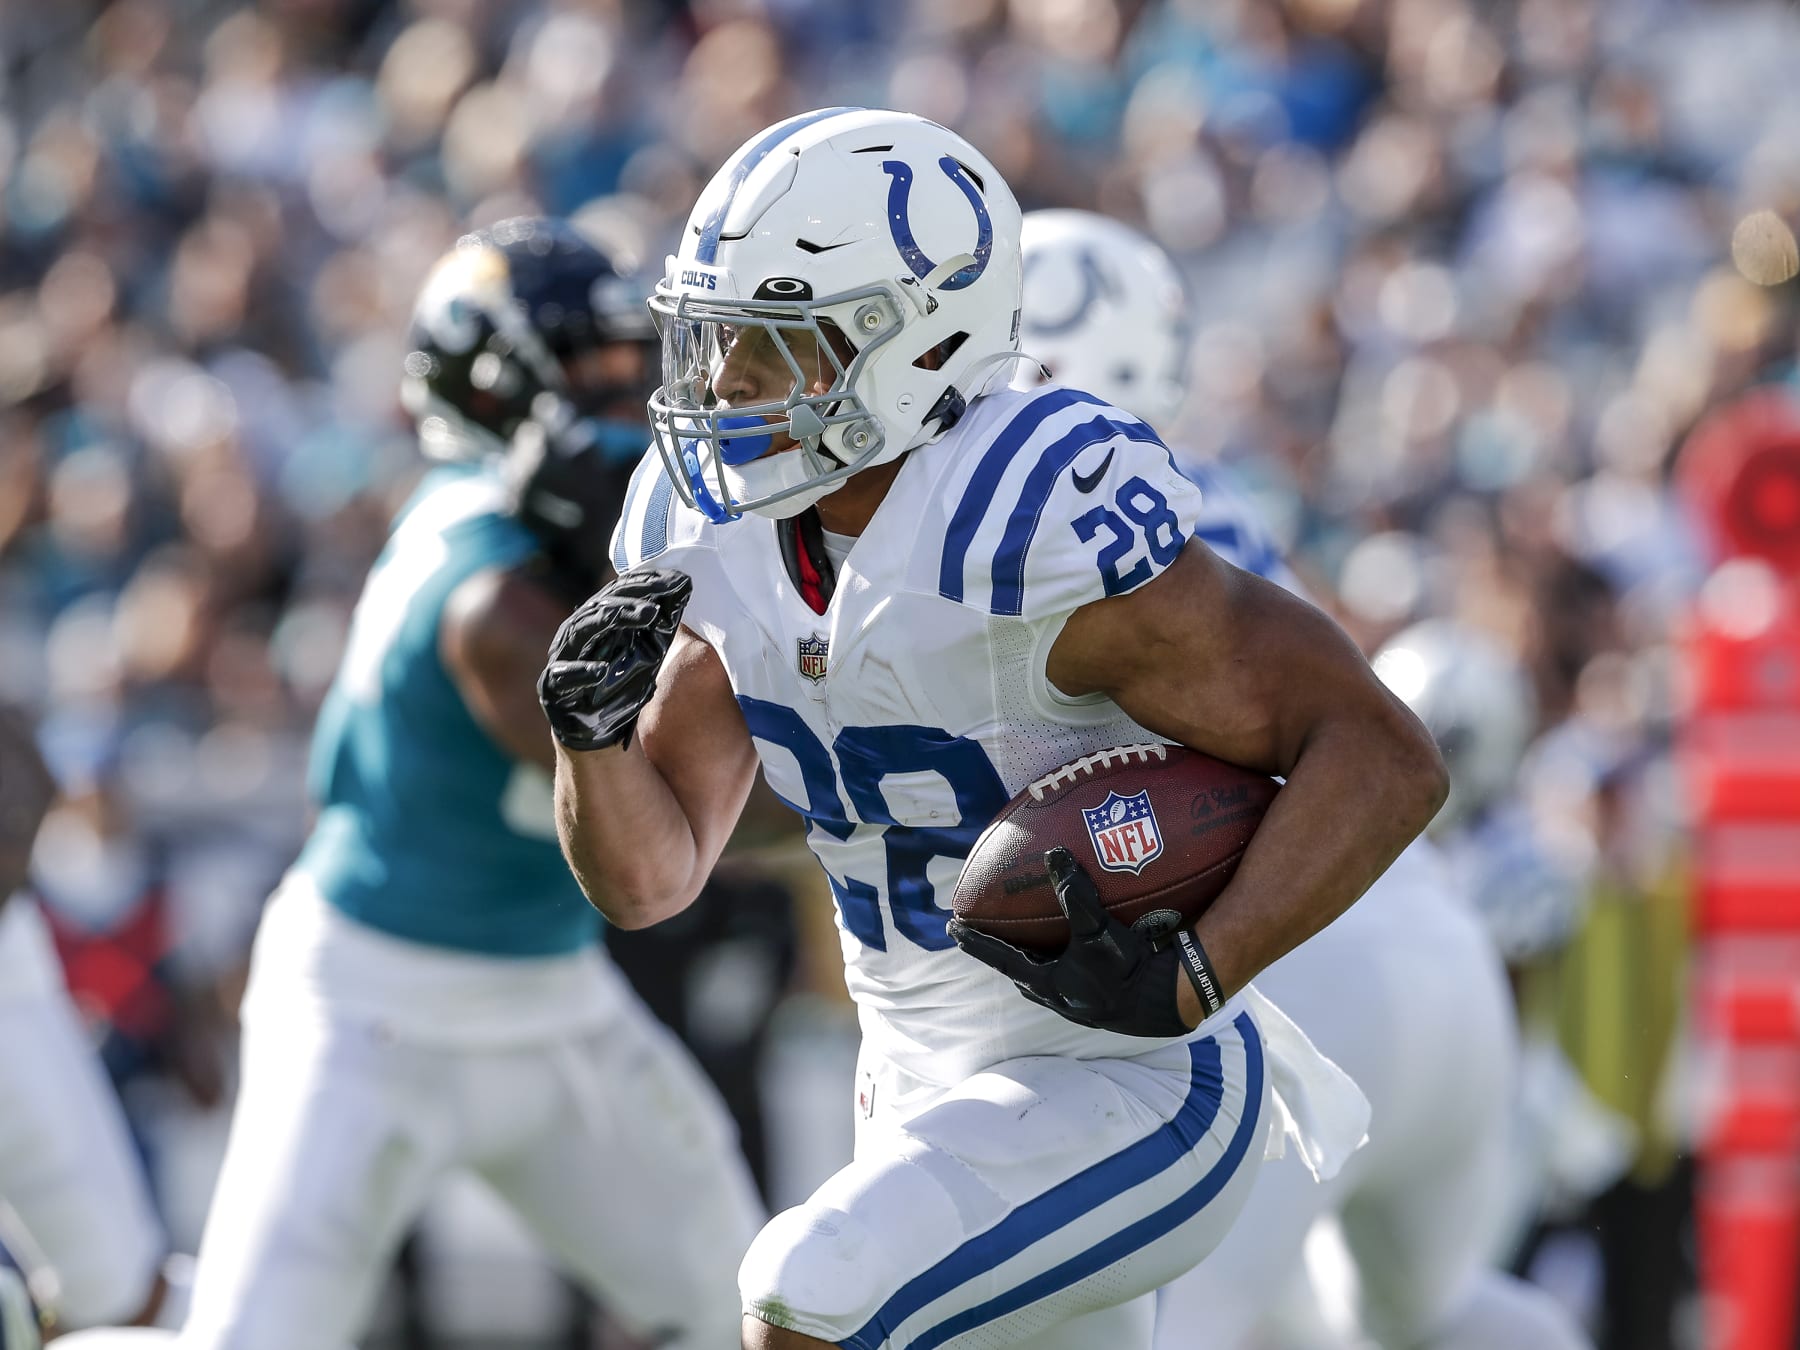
(1038, 1203)
(602, 1135)
(67, 1167)
(1407, 995)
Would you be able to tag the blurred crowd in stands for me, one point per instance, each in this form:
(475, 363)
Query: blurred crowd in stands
(1459, 290)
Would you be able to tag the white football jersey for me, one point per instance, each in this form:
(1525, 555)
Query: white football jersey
(903, 718)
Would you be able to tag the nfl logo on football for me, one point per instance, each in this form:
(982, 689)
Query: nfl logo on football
(812, 653)
(1124, 832)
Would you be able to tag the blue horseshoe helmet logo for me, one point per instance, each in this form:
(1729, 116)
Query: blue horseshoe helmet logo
(900, 190)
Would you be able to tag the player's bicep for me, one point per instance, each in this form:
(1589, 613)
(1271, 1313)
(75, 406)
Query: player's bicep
(693, 733)
(1217, 659)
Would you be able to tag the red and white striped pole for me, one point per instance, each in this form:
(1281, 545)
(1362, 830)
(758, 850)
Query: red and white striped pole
(1740, 752)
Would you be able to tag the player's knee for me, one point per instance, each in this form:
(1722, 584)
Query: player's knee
(815, 1270)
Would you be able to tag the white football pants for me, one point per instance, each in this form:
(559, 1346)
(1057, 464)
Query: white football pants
(1038, 1203)
(67, 1167)
(608, 1143)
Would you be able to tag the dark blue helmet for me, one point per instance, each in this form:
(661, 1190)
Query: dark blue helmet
(501, 321)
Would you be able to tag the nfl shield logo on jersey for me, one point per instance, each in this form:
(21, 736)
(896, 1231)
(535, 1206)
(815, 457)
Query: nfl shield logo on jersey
(813, 652)
(1124, 832)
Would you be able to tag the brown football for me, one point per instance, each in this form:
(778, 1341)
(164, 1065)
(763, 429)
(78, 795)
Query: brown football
(1160, 829)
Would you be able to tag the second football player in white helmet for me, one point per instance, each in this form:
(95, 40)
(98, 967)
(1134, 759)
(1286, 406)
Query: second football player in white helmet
(1105, 311)
(1402, 991)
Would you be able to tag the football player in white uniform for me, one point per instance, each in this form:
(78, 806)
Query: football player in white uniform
(427, 988)
(1475, 697)
(908, 592)
(1402, 991)
(67, 1167)
(1529, 888)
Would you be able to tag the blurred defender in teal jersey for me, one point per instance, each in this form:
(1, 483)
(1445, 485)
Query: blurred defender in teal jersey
(428, 989)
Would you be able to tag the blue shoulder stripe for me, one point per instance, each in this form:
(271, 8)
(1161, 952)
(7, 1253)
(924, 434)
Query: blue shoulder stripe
(655, 537)
(979, 495)
(1021, 526)
(647, 480)
(707, 250)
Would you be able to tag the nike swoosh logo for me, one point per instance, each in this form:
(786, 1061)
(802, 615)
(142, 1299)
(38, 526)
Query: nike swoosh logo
(811, 247)
(1087, 482)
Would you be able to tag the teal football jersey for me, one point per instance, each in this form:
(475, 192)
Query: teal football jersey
(427, 829)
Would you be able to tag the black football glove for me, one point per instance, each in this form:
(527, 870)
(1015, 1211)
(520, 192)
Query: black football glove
(566, 477)
(1110, 976)
(604, 660)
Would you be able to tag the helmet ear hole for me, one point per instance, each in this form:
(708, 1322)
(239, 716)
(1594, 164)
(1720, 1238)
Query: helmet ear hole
(935, 357)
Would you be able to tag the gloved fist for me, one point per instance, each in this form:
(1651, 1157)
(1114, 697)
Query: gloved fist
(604, 660)
(566, 478)
(1110, 976)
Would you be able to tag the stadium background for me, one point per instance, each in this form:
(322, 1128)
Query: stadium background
(1461, 288)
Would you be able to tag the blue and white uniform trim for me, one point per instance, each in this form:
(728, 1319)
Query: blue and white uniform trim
(1228, 525)
(710, 229)
(945, 1301)
(1018, 474)
(643, 529)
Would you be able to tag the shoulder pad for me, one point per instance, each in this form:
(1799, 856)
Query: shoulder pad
(647, 524)
(1069, 500)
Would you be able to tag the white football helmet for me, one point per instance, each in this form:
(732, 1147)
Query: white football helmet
(1474, 698)
(867, 264)
(1106, 312)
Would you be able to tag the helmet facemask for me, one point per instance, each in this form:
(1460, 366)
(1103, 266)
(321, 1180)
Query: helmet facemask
(798, 429)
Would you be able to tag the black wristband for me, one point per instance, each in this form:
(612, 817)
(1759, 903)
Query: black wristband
(1200, 972)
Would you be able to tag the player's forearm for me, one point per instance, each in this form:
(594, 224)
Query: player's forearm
(1363, 787)
(625, 835)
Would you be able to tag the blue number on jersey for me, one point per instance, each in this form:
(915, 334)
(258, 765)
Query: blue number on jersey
(1145, 507)
(863, 757)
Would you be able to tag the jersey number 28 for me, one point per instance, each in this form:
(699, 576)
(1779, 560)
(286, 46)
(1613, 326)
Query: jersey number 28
(859, 760)
(1140, 507)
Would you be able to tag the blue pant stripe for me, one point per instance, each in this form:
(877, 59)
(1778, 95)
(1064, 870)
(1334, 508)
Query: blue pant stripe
(1070, 1199)
(1130, 1239)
